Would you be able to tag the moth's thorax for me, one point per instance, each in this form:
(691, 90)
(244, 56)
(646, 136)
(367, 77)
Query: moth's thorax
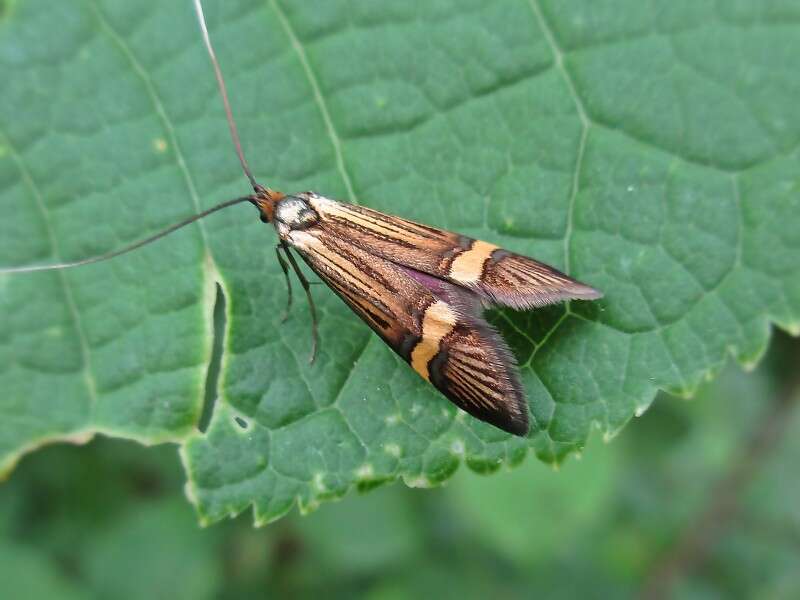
(295, 213)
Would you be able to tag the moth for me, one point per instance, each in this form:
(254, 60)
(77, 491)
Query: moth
(420, 288)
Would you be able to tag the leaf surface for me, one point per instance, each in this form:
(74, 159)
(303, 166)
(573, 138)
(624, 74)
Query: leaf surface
(654, 157)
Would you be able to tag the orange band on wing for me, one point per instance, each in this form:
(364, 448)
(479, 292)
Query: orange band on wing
(468, 266)
(438, 321)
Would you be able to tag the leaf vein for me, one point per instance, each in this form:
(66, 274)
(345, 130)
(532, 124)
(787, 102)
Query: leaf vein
(72, 307)
(558, 55)
(319, 99)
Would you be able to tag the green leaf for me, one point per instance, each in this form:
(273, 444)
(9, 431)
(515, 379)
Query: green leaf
(123, 561)
(589, 483)
(389, 531)
(654, 156)
(27, 573)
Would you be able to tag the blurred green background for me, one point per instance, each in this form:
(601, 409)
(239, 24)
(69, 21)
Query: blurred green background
(696, 499)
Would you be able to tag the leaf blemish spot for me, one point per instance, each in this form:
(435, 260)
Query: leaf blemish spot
(457, 447)
(241, 422)
(365, 472)
(419, 482)
(319, 483)
(160, 145)
(392, 450)
(392, 419)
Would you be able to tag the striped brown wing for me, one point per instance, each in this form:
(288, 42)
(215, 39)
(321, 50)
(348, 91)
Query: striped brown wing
(496, 275)
(432, 324)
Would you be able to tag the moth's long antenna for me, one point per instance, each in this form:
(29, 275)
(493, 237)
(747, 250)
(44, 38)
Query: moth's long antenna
(126, 249)
(198, 7)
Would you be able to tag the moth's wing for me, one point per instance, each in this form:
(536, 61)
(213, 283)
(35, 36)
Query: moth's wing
(433, 325)
(510, 279)
(496, 275)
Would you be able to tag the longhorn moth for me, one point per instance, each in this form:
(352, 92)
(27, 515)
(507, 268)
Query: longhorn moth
(420, 288)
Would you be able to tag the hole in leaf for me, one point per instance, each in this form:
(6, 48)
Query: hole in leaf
(212, 376)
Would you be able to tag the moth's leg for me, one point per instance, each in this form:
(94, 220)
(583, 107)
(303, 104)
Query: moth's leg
(307, 287)
(285, 268)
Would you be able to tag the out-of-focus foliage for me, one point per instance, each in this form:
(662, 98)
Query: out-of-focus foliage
(108, 520)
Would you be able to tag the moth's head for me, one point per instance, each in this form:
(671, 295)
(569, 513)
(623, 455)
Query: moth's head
(294, 213)
(265, 201)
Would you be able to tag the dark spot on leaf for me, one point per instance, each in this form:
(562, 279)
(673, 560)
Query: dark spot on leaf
(241, 422)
